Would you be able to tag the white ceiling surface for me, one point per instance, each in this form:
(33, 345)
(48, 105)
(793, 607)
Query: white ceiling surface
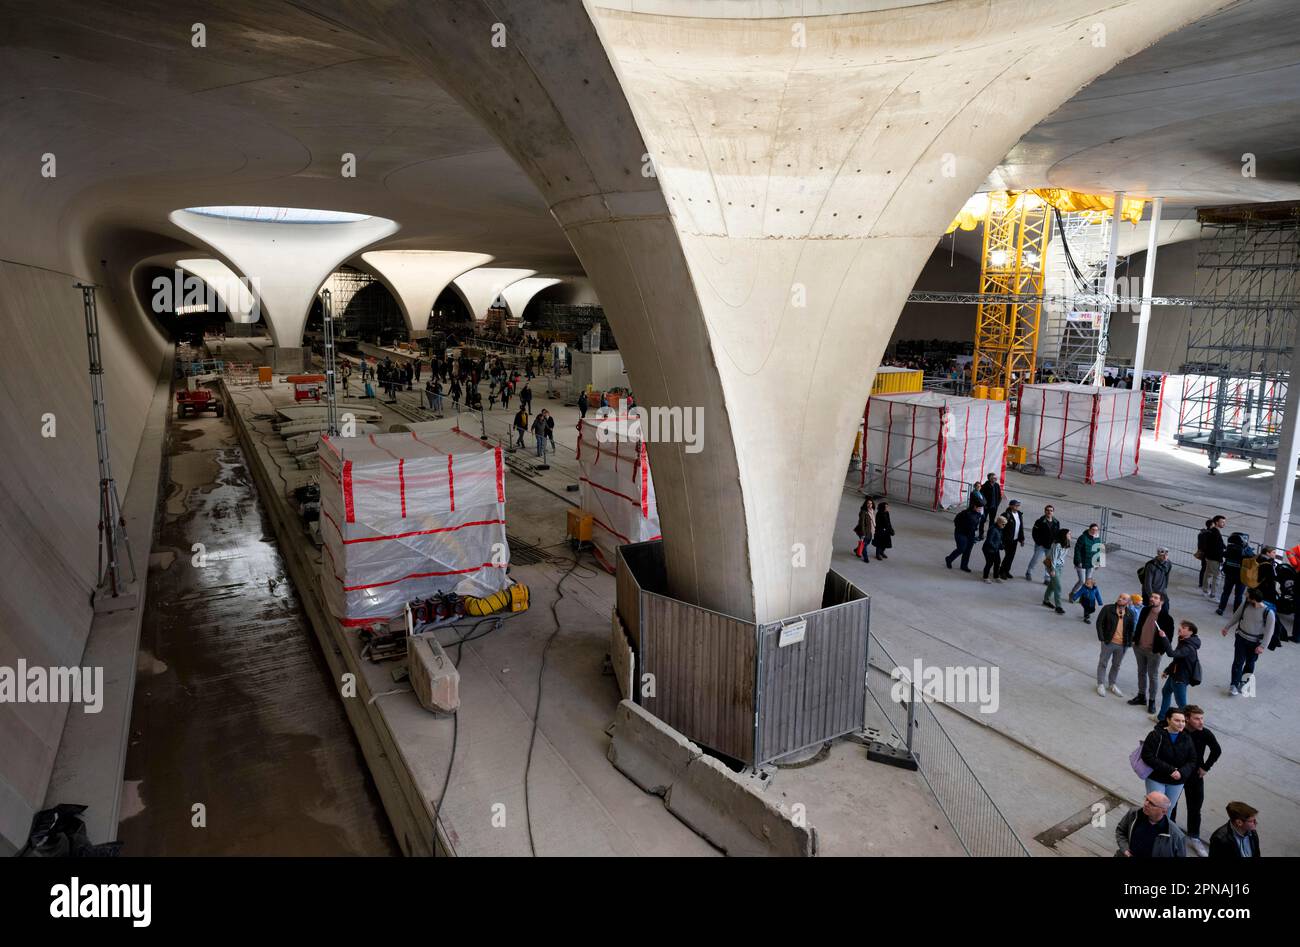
(417, 277)
(481, 287)
(286, 263)
(142, 123)
(1175, 120)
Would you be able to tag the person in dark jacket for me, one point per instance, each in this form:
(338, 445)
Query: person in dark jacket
(883, 537)
(1183, 671)
(1155, 576)
(964, 526)
(1043, 534)
(1194, 785)
(993, 550)
(1116, 627)
(1013, 536)
(521, 426)
(978, 502)
(1212, 548)
(1236, 838)
(992, 492)
(1171, 754)
(1149, 833)
(1233, 553)
(1147, 649)
(1273, 570)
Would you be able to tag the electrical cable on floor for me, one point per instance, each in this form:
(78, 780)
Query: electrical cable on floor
(537, 708)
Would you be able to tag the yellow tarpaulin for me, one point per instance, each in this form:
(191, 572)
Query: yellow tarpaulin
(975, 210)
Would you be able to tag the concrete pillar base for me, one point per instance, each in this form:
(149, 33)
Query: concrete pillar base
(285, 361)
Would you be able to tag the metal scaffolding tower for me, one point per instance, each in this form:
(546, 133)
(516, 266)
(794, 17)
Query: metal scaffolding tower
(362, 311)
(113, 541)
(1016, 229)
(1076, 270)
(327, 326)
(1239, 356)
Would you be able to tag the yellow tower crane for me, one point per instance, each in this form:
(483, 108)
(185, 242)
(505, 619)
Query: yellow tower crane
(1016, 229)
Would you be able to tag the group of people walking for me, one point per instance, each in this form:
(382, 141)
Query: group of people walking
(1179, 751)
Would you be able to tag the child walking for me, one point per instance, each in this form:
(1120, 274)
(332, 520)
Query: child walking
(1060, 548)
(1089, 596)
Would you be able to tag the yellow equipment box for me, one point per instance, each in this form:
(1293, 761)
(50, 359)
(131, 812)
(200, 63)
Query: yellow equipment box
(579, 525)
(1017, 454)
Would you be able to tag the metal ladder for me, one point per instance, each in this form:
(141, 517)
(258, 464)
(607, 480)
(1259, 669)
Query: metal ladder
(112, 523)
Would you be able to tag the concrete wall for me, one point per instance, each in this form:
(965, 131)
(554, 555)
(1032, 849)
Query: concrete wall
(49, 494)
(944, 271)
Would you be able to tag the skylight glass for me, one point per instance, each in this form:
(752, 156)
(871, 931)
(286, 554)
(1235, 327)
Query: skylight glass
(280, 215)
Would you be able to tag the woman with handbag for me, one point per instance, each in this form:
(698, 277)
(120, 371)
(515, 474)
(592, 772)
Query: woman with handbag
(1169, 755)
(866, 528)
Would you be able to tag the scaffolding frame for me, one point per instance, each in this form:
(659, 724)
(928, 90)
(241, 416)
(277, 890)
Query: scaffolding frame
(1072, 336)
(1016, 231)
(1239, 357)
(364, 315)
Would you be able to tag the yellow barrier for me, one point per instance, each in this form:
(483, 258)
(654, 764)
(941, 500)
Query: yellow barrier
(894, 381)
(980, 391)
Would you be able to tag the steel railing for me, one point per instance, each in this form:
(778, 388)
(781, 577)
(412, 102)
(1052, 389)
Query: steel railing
(905, 720)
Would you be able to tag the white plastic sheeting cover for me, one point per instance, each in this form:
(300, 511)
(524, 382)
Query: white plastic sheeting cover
(407, 516)
(922, 439)
(615, 484)
(1169, 407)
(1080, 432)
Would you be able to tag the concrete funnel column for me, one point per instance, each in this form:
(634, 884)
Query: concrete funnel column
(753, 198)
(417, 277)
(481, 287)
(286, 263)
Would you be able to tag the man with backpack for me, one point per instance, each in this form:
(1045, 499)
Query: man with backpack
(1183, 671)
(1277, 586)
(1255, 623)
(1234, 556)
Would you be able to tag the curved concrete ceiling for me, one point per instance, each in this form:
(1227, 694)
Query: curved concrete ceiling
(140, 123)
(1175, 120)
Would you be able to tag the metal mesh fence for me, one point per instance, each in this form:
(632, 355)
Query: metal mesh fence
(895, 709)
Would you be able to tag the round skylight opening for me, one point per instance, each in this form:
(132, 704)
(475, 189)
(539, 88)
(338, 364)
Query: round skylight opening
(279, 215)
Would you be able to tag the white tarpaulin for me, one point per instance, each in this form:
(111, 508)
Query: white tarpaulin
(615, 484)
(407, 516)
(1081, 432)
(1169, 407)
(917, 440)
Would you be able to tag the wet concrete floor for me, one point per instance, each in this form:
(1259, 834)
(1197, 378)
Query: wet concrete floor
(235, 709)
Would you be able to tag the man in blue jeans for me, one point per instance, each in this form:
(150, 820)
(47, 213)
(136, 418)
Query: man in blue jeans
(1255, 624)
(964, 526)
